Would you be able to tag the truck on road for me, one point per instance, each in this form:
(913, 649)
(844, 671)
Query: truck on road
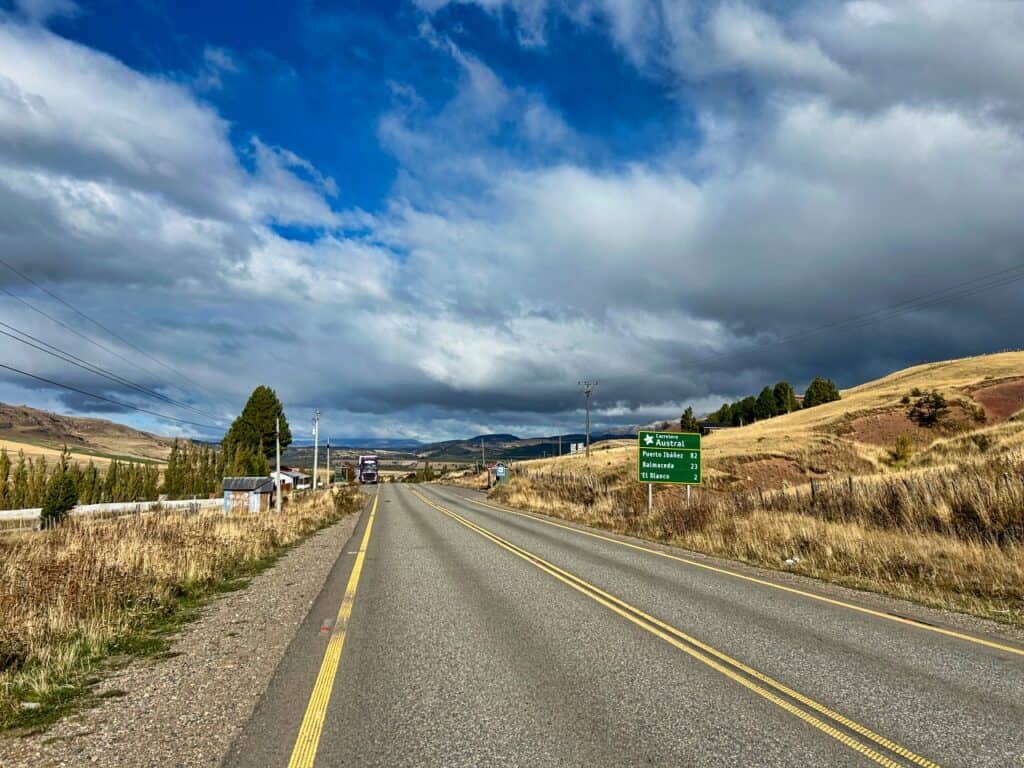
(368, 469)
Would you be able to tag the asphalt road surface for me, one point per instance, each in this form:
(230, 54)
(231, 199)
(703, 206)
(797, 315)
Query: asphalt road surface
(456, 633)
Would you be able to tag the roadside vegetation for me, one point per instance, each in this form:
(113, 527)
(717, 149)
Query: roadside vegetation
(911, 485)
(950, 541)
(76, 597)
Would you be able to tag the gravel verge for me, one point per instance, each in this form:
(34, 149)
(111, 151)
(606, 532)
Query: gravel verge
(186, 708)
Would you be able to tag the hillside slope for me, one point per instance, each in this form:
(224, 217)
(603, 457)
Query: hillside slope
(825, 493)
(42, 433)
(857, 434)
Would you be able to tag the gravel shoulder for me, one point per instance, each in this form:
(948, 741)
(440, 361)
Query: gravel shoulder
(186, 708)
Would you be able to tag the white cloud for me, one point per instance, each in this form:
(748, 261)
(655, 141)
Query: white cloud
(217, 62)
(43, 10)
(751, 40)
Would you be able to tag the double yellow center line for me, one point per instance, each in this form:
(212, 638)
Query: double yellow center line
(304, 752)
(763, 582)
(865, 741)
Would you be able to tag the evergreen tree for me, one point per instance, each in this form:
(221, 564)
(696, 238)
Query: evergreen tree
(19, 483)
(60, 496)
(172, 474)
(688, 422)
(38, 475)
(820, 391)
(89, 490)
(785, 398)
(723, 415)
(745, 411)
(248, 463)
(5, 480)
(765, 407)
(255, 426)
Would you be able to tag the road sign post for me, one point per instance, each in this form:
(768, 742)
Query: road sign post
(669, 457)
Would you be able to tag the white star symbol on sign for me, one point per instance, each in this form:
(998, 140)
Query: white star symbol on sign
(648, 439)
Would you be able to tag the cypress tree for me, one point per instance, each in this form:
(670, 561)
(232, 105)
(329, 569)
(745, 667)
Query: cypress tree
(255, 426)
(765, 407)
(821, 390)
(38, 475)
(60, 496)
(19, 483)
(5, 480)
(785, 398)
(688, 422)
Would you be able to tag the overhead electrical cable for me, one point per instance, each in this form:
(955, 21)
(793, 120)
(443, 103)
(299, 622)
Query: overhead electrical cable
(960, 290)
(101, 326)
(101, 398)
(50, 349)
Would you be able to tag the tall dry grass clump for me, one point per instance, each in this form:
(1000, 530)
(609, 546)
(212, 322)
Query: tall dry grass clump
(948, 537)
(75, 594)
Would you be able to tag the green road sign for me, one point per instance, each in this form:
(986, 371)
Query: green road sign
(669, 457)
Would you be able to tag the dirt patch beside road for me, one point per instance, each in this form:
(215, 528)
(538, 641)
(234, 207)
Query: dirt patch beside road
(186, 708)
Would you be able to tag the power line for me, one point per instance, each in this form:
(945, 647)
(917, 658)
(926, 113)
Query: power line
(68, 357)
(960, 290)
(76, 332)
(100, 325)
(101, 398)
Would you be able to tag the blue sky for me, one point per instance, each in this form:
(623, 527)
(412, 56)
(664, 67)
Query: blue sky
(430, 218)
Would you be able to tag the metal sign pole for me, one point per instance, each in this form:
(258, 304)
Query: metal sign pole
(650, 497)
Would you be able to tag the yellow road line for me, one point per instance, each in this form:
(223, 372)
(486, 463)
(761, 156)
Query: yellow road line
(765, 583)
(703, 653)
(304, 752)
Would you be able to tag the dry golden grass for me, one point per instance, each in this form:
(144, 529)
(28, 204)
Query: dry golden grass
(949, 541)
(73, 595)
(52, 455)
(820, 442)
(944, 526)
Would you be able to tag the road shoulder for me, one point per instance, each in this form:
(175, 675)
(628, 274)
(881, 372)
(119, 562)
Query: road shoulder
(187, 707)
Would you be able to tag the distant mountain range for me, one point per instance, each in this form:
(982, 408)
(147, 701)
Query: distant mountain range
(495, 446)
(21, 426)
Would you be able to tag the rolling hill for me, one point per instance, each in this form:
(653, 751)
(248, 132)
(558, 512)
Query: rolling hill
(39, 432)
(857, 434)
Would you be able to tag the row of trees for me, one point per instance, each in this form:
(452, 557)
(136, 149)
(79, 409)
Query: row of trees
(25, 482)
(772, 401)
(192, 469)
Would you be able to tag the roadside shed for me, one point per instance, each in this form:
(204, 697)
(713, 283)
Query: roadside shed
(248, 494)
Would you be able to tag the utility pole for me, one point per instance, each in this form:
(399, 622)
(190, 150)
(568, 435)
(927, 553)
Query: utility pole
(316, 443)
(559, 445)
(588, 390)
(277, 481)
(328, 461)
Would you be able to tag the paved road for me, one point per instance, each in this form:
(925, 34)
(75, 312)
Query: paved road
(471, 635)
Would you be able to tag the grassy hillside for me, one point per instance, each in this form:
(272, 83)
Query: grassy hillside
(857, 434)
(824, 491)
(40, 433)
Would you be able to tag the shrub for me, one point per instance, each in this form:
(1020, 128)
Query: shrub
(929, 410)
(903, 450)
